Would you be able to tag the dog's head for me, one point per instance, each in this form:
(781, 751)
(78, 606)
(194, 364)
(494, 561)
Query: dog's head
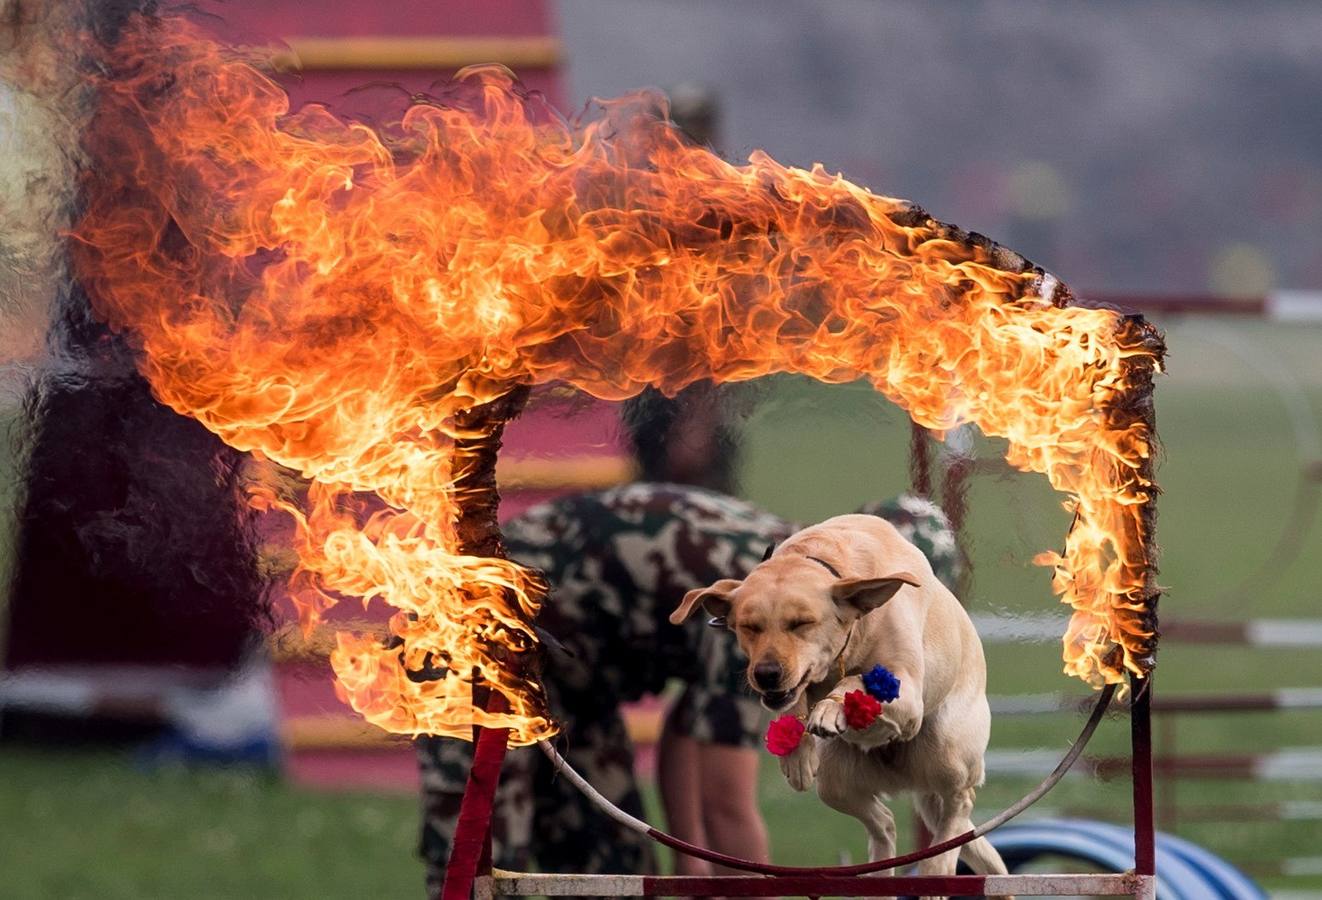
(792, 616)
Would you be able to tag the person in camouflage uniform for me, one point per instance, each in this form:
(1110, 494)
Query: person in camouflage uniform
(618, 562)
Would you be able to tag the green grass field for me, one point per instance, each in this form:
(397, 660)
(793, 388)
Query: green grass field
(90, 825)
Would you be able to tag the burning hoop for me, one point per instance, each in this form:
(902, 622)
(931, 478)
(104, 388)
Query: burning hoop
(357, 305)
(369, 307)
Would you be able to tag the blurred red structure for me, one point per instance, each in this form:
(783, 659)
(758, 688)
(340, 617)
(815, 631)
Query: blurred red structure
(411, 43)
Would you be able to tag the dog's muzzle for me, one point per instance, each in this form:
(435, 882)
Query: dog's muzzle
(778, 700)
(767, 676)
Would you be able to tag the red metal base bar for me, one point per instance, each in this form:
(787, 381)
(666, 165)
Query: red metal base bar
(520, 884)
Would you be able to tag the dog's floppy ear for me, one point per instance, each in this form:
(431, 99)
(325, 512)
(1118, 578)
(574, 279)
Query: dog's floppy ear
(867, 594)
(714, 599)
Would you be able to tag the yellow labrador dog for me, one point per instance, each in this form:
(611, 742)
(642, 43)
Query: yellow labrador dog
(826, 606)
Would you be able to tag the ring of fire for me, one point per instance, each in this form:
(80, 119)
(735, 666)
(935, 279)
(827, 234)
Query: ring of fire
(339, 299)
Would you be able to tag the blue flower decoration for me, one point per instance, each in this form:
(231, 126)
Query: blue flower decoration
(881, 684)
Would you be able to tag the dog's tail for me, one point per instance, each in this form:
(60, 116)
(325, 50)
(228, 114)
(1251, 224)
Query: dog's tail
(982, 858)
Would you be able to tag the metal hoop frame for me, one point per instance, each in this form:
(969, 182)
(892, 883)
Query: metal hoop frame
(470, 868)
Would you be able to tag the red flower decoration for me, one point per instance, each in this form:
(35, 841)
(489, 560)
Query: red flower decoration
(784, 735)
(861, 709)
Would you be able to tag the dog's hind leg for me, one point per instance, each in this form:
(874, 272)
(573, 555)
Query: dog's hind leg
(948, 817)
(841, 785)
(982, 857)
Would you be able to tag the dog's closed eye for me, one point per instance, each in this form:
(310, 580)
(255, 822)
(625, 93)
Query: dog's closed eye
(799, 624)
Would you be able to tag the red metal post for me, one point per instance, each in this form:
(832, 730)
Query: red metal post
(479, 534)
(1140, 716)
(1138, 401)
(472, 835)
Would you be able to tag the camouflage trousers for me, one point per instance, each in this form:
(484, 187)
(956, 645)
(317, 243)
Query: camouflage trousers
(618, 563)
(540, 820)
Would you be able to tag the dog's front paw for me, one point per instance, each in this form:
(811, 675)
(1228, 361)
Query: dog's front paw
(878, 734)
(827, 718)
(800, 767)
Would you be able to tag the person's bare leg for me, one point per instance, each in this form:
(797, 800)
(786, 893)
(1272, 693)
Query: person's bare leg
(730, 812)
(677, 767)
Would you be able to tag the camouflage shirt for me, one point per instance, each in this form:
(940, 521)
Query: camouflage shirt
(619, 561)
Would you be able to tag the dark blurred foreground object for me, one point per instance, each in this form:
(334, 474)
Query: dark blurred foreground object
(136, 573)
(132, 546)
(135, 577)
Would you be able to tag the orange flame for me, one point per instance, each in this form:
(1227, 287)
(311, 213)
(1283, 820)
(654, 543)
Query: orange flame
(331, 296)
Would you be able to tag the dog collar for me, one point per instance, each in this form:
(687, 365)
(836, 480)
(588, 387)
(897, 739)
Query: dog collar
(840, 657)
(826, 565)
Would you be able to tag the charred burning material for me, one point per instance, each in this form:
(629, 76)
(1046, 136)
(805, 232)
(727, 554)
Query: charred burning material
(1137, 404)
(343, 300)
(477, 525)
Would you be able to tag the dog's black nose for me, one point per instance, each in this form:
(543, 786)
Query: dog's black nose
(766, 675)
